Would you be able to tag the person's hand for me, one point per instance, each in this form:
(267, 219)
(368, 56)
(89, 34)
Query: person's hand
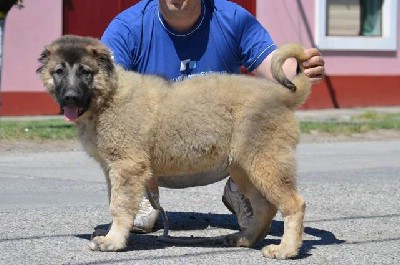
(314, 67)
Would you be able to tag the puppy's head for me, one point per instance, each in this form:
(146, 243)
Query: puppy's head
(73, 69)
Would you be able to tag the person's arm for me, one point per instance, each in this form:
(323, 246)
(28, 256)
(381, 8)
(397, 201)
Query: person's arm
(314, 67)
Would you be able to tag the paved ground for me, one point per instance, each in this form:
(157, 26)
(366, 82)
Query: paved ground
(50, 202)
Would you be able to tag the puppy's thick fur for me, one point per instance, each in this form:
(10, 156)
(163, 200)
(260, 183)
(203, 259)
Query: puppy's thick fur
(138, 126)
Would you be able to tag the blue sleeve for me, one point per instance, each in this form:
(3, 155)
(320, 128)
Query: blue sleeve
(254, 40)
(122, 43)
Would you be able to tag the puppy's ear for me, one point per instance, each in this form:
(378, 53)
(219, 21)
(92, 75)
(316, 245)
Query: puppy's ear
(103, 56)
(43, 59)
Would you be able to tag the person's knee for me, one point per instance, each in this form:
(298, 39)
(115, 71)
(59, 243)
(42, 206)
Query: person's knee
(186, 181)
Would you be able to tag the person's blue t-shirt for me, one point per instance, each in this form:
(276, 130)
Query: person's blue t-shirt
(224, 38)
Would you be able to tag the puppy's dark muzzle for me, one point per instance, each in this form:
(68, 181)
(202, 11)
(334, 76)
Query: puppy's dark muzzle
(71, 98)
(73, 104)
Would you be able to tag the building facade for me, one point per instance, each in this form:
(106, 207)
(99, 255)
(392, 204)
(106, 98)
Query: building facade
(358, 39)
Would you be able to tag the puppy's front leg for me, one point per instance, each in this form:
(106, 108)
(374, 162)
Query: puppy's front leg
(127, 180)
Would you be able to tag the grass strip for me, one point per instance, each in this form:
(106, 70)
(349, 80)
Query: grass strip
(363, 123)
(58, 129)
(52, 129)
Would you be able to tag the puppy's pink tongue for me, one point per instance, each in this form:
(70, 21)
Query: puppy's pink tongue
(70, 113)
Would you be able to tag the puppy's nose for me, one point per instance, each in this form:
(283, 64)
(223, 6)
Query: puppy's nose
(71, 97)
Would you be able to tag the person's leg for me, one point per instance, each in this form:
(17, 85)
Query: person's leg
(238, 204)
(233, 199)
(262, 212)
(152, 185)
(147, 216)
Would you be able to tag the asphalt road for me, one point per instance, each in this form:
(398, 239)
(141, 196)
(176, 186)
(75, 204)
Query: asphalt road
(50, 203)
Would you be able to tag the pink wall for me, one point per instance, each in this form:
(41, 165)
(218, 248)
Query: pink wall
(285, 22)
(27, 31)
(40, 22)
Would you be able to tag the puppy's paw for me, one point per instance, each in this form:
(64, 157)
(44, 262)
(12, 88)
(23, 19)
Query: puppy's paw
(278, 252)
(107, 243)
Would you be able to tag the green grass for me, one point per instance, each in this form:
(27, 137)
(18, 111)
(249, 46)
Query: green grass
(363, 123)
(36, 130)
(60, 130)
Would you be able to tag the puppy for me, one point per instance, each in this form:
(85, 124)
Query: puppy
(138, 126)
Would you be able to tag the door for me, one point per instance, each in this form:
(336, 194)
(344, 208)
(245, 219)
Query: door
(91, 17)
(250, 5)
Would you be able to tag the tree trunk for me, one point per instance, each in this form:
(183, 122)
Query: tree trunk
(5, 6)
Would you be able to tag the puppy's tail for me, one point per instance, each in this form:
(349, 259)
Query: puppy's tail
(300, 86)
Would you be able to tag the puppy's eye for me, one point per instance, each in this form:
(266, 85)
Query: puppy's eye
(86, 72)
(59, 71)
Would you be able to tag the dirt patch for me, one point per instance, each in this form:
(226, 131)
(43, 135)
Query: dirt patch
(32, 146)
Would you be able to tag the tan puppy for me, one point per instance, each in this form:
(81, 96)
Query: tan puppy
(138, 126)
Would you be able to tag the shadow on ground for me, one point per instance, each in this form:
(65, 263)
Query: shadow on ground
(185, 221)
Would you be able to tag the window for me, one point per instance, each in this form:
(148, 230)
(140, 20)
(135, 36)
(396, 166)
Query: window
(356, 25)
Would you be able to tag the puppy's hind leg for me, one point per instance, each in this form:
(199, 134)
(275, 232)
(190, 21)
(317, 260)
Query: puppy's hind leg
(273, 175)
(127, 180)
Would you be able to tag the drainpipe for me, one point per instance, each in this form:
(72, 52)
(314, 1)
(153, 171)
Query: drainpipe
(2, 27)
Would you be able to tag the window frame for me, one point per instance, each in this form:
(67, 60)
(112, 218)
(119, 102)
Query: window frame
(386, 42)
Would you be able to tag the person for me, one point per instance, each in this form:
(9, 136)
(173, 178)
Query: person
(179, 39)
